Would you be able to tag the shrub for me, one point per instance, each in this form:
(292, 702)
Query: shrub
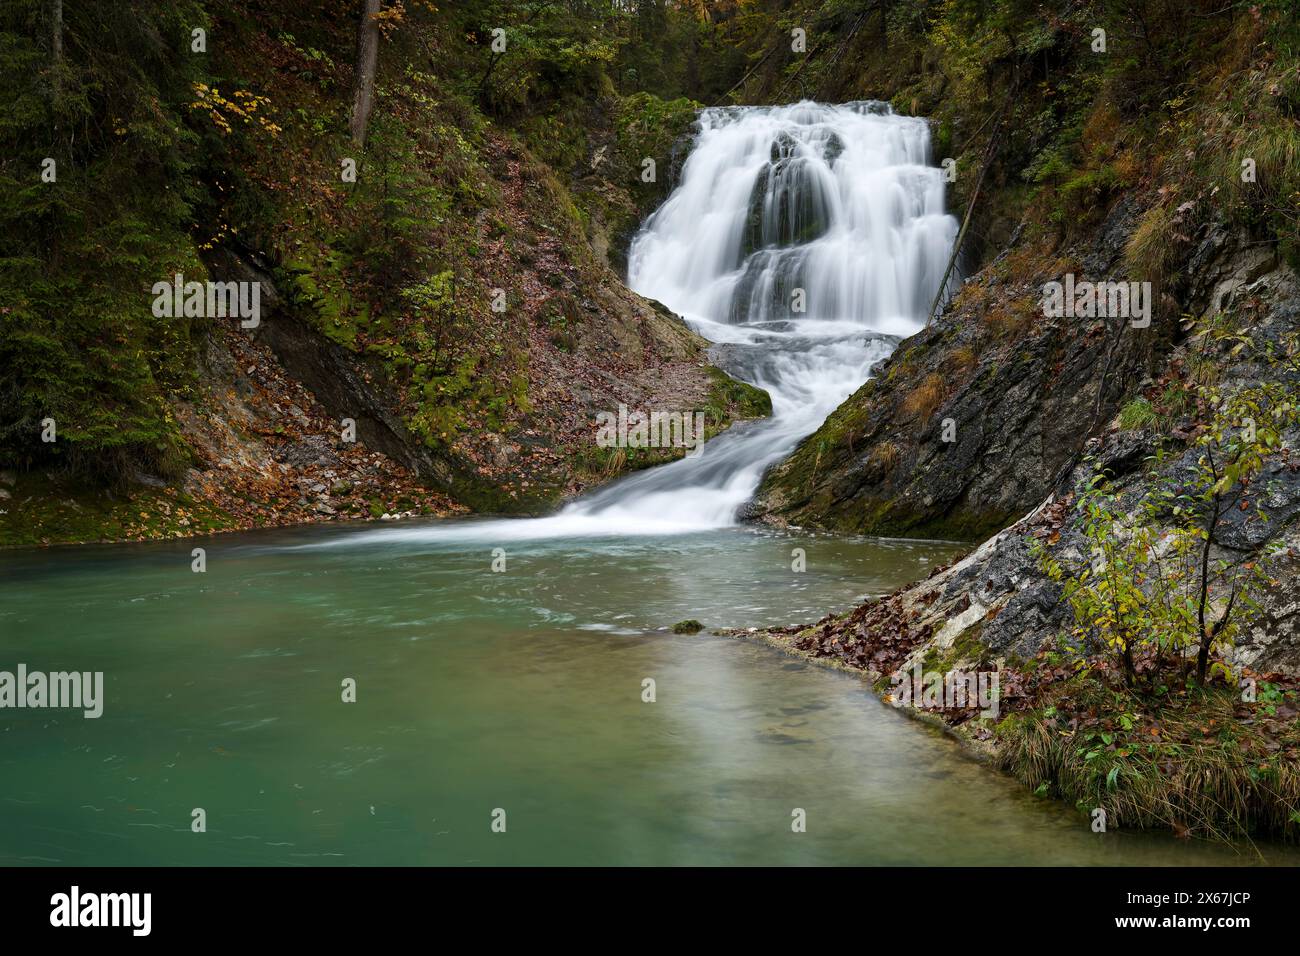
(1156, 590)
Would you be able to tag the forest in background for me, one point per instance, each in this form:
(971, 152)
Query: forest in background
(169, 158)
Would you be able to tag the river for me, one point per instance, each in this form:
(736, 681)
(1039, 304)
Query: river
(477, 690)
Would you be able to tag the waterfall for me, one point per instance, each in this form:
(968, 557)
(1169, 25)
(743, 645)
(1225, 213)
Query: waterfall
(805, 241)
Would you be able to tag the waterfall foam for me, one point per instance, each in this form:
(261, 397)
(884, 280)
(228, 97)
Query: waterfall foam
(805, 240)
(831, 205)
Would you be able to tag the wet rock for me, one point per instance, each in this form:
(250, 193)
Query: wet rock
(1272, 643)
(1108, 246)
(148, 480)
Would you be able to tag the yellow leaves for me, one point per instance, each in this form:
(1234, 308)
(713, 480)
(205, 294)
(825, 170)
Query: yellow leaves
(242, 105)
(389, 18)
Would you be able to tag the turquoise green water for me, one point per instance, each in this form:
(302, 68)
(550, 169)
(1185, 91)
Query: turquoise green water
(476, 691)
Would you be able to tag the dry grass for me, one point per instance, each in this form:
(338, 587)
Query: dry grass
(926, 398)
(1204, 371)
(600, 464)
(884, 458)
(970, 296)
(962, 360)
(1149, 254)
(1129, 166)
(1010, 319)
(1102, 130)
(1275, 148)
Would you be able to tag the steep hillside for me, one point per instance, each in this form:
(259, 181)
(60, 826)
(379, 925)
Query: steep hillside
(439, 285)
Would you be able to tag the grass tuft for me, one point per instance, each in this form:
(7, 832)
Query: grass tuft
(925, 399)
(1189, 763)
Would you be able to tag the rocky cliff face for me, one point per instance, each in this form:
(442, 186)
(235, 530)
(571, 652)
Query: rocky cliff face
(972, 422)
(1038, 418)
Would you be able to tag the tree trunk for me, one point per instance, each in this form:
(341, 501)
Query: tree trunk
(363, 87)
(1202, 662)
(56, 25)
(56, 41)
(1205, 635)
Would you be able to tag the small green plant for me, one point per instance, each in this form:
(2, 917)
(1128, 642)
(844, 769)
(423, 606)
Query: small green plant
(1139, 413)
(443, 327)
(1156, 589)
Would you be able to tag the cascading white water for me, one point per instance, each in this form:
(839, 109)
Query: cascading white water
(806, 240)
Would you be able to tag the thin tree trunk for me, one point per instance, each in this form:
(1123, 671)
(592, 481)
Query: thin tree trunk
(989, 152)
(1203, 597)
(56, 41)
(363, 88)
(482, 92)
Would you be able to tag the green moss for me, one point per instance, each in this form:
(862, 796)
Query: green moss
(730, 398)
(966, 648)
(44, 510)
